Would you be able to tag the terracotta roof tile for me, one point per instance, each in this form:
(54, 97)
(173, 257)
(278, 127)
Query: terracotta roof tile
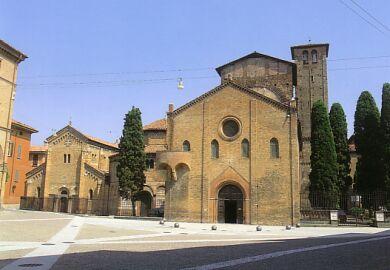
(38, 148)
(91, 138)
(160, 124)
(23, 126)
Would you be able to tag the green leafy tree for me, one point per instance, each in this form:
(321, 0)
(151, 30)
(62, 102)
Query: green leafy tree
(323, 175)
(338, 123)
(132, 163)
(385, 129)
(368, 175)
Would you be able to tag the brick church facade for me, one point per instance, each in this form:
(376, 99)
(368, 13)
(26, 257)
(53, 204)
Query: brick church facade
(239, 153)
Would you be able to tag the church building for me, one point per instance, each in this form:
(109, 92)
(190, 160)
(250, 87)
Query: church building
(240, 153)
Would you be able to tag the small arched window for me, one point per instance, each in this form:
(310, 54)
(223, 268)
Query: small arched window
(186, 146)
(214, 149)
(90, 194)
(314, 56)
(38, 192)
(245, 148)
(274, 148)
(305, 57)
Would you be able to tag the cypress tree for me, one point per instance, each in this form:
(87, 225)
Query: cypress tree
(368, 170)
(130, 170)
(323, 175)
(385, 129)
(338, 123)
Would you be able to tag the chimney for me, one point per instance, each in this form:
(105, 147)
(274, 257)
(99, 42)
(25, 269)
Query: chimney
(170, 108)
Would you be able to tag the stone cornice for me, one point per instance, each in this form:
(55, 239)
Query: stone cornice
(11, 52)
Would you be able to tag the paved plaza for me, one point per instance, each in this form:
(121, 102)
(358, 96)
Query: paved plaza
(43, 240)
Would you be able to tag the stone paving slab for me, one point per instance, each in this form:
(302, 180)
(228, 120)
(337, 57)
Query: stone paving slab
(36, 230)
(89, 231)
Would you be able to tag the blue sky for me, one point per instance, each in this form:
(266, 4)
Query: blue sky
(91, 60)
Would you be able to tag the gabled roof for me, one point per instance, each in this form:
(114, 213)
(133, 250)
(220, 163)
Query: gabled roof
(238, 87)
(88, 138)
(160, 124)
(25, 127)
(252, 55)
(18, 56)
(96, 171)
(36, 170)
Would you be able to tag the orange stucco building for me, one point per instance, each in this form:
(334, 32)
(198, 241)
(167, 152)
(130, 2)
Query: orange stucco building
(18, 163)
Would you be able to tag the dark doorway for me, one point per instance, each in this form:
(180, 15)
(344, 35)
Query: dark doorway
(145, 203)
(64, 205)
(230, 205)
(64, 201)
(230, 211)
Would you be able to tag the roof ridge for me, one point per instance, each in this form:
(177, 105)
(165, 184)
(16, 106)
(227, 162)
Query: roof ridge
(235, 85)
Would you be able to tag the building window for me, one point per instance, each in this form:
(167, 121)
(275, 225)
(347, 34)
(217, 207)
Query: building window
(314, 57)
(10, 148)
(305, 57)
(16, 176)
(19, 156)
(66, 158)
(38, 192)
(13, 189)
(150, 160)
(90, 194)
(245, 148)
(186, 146)
(214, 149)
(230, 128)
(35, 160)
(274, 148)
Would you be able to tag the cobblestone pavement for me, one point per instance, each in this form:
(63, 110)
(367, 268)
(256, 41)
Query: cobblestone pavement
(42, 240)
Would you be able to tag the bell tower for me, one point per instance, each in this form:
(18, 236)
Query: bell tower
(312, 85)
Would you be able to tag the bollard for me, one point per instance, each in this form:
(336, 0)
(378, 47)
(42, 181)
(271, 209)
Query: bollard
(176, 225)
(258, 228)
(162, 222)
(214, 227)
(298, 225)
(288, 227)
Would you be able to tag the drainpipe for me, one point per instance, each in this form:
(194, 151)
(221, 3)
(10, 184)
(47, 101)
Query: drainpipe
(202, 168)
(291, 169)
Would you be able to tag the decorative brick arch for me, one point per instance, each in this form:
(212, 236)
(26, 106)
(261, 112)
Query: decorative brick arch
(228, 177)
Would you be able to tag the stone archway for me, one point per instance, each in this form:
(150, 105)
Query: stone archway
(144, 203)
(229, 177)
(230, 204)
(64, 200)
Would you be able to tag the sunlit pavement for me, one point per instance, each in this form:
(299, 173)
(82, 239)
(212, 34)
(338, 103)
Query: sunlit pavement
(42, 240)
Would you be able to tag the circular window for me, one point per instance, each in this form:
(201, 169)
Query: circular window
(230, 128)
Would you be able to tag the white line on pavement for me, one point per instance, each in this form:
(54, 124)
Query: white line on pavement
(262, 257)
(46, 255)
(191, 241)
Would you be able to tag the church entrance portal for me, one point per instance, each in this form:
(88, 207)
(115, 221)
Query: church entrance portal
(145, 203)
(230, 205)
(64, 201)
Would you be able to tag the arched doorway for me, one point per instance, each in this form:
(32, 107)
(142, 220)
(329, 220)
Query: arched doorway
(64, 201)
(145, 203)
(230, 204)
